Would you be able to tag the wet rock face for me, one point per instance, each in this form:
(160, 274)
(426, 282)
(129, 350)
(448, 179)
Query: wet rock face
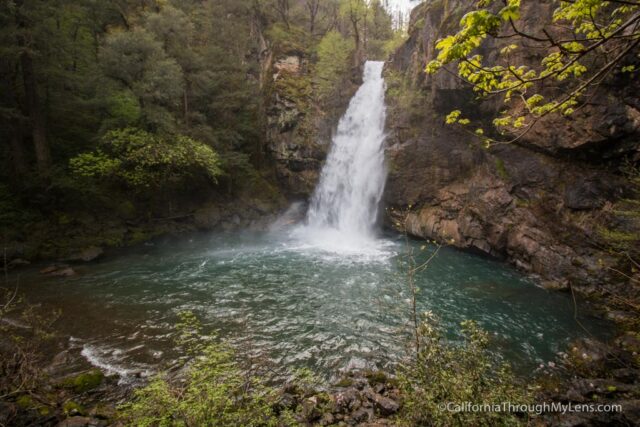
(299, 127)
(539, 203)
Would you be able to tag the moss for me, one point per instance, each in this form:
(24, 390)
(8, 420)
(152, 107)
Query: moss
(84, 382)
(296, 88)
(25, 402)
(417, 25)
(72, 408)
(345, 382)
(139, 236)
(376, 377)
(126, 209)
(502, 170)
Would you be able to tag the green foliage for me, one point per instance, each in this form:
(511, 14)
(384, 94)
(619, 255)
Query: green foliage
(72, 408)
(216, 391)
(142, 160)
(625, 237)
(334, 55)
(446, 371)
(291, 39)
(84, 382)
(124, 110)
(392, 44)
(9, 208)
(502, 170)
(602, 34)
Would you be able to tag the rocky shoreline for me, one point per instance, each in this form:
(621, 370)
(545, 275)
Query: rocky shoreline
(78, 394)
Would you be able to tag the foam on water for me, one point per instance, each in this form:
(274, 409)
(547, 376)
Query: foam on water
(343, 213)
(115, 362)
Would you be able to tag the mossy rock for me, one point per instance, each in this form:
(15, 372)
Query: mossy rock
(84, 382)
(25, 402)
(376, 377)
(72, 408)
(345, 382)
(502, 170)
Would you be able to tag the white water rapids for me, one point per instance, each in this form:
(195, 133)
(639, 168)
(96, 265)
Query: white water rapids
(343, 212)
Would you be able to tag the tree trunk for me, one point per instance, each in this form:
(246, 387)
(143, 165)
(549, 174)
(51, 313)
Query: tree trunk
(36, 116)
(18, 157)
(15, 124)
(185, 105)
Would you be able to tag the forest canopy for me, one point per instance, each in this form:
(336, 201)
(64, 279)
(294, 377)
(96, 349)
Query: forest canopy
(184, 80)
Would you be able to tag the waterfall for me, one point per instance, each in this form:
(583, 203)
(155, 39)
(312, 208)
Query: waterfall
(344, 208)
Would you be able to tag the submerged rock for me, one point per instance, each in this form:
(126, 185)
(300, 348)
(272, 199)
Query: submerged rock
(88, 254)
(58, 270)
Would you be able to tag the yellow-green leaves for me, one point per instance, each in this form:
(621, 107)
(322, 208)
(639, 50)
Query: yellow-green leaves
(519, 122)
(572, 54)
(453, 117)
(142, 160)
(508, 49)
(511, 11)
(534, 100)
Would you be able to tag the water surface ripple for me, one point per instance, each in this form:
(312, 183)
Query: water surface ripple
(281, 299)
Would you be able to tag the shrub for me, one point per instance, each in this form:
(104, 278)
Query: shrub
(142, 160)
(215, 391)
(334, 54)
(444, 372)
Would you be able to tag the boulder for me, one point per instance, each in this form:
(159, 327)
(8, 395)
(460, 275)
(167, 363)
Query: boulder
(88, 254)
(58, 270)
(384, 405)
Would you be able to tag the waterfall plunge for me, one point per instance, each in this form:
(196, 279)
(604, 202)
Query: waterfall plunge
(344, 208)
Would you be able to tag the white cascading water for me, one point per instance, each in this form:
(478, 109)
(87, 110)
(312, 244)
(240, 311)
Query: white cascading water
(344, 208)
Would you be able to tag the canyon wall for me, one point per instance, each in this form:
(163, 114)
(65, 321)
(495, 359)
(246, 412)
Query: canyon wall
(299, 125)
(540, 203)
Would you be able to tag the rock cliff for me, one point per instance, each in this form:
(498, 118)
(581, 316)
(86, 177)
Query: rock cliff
(539, 203)
(299, 126)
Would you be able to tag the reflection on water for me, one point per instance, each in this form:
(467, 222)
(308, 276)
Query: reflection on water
(282, 299)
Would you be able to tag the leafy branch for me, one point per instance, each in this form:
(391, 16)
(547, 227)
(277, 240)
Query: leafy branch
(590, 32)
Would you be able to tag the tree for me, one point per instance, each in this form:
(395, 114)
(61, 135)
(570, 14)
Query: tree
(49, 76)
(585, 42)
(282, 6)
(29, 42)
(334, 53)
(313, 6)
(142, 161)
(139, 63)
(356, 12)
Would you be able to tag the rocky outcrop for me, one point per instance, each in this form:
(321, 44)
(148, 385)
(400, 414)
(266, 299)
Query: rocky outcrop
(360, 398)
(299, 126)
(539, 203)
